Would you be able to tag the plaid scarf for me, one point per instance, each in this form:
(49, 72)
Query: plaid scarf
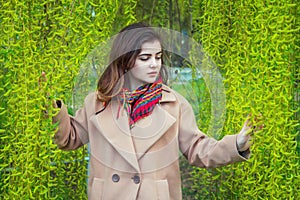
(141, 102)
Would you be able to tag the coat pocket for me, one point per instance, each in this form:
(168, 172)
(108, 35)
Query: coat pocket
(97, 189)
(162, 187)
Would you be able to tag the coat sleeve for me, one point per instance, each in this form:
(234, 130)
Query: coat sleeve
(72, 132)
(201, 150)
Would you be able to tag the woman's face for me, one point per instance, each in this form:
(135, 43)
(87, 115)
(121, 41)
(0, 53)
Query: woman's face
(147, 65)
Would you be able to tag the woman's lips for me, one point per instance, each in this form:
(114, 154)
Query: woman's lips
(152, 73)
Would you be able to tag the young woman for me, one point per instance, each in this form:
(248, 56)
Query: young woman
(136, 126)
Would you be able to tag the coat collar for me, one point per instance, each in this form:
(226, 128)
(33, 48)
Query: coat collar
(133, 143)
(167, 94)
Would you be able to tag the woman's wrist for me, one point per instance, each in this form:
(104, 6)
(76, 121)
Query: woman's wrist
(57, 103)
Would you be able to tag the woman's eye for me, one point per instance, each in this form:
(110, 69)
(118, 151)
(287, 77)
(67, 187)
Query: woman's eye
(158, 58)
(144, 58)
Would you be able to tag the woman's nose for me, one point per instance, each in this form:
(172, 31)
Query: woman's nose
(154, 62)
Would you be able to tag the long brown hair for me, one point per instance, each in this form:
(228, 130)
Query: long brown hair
(125, 49)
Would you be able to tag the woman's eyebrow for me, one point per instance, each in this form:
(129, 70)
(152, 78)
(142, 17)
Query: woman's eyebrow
(149, 54)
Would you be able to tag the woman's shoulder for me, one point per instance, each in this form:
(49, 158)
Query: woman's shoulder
(92, 102)
(170, 95)
(90, 98)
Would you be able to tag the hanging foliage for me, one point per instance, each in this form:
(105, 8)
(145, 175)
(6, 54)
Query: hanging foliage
(256, 45)
(51, 37)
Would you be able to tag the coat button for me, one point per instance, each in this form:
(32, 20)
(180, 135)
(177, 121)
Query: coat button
(115, 178)
(136, 179)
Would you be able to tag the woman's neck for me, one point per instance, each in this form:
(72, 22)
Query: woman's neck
(132, 85)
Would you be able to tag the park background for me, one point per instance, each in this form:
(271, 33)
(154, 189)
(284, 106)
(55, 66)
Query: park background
(254, 43)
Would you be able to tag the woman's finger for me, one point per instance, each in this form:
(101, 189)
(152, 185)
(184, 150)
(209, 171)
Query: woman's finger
(249, 132)
(42, 78)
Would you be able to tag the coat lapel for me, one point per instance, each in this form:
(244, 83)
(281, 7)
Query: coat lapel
(116, 131)
(133, 144)
(149, 130)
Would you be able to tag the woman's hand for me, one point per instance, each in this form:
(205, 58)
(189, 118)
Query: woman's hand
(245, 135)
(42, 81)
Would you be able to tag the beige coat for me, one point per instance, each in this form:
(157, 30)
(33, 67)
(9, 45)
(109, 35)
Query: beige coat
(141, 163)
